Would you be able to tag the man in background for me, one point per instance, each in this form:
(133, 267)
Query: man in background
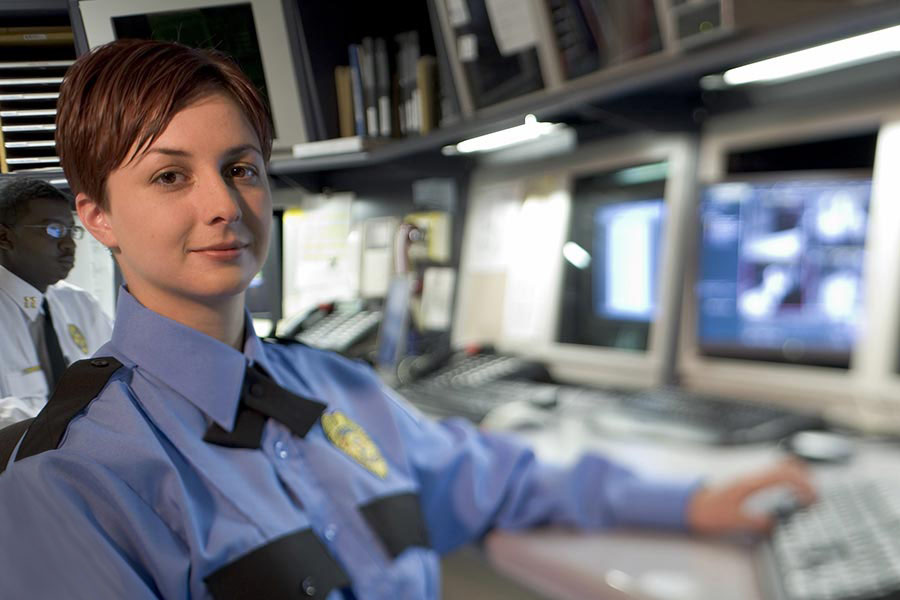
(46, 323)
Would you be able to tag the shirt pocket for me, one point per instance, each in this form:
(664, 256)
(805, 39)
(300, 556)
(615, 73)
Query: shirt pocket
(22, 384)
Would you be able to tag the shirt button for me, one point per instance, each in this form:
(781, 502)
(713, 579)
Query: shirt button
(308, 586)
(331, 532)
(281, 450)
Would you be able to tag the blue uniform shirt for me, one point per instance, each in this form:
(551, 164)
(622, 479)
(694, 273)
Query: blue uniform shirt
(134, 504)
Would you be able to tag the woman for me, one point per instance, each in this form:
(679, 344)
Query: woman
(201, 462)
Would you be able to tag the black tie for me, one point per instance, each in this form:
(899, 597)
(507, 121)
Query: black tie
(262, 398)
(57, 362)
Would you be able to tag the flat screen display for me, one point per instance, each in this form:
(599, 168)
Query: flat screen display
(781, 267)
(230, 29)
(611, 258)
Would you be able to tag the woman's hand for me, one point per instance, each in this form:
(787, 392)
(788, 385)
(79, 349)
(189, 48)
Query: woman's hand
(721, 510)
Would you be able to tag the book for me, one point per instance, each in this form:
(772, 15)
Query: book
(426, 84)
(359, 107)
(344, 90)
(367, 64)
(383, 88)
(342, 145)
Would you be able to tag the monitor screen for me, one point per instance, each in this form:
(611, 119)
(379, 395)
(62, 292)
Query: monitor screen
(264, 293)
(611, 258)
(780, 268)
(230, 29)
(255, 33)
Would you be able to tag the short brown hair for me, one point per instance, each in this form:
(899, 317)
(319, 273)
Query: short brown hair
(128, 91)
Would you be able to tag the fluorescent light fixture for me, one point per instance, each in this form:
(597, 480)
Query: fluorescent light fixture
(531, 130)
(576, 255)
(819, 59)
(642, 173)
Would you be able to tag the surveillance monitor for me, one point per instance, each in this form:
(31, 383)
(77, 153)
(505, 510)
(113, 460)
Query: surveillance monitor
(780, 267)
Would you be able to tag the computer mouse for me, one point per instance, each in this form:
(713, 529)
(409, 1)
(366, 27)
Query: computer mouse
(820, 446)
(516, 416)
(780, 501)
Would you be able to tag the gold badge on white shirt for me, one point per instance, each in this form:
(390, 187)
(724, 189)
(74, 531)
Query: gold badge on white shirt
(350, 438)
(78, 338)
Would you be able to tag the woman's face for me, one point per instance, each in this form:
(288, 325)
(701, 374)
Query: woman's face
(189, 218)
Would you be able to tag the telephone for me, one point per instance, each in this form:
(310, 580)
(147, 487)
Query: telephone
(349, 328)
(472, 382)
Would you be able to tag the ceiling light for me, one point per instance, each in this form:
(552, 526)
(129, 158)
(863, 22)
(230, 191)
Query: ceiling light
(531, 130)
(819, 59)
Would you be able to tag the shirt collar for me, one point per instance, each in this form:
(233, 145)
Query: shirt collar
(22, 293)
(207, 372)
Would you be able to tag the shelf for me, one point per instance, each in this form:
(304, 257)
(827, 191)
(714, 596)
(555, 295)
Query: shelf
(54, 176)
(647, 75)
(33, 7)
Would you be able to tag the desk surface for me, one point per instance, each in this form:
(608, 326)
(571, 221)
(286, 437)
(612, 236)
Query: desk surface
(644, 565)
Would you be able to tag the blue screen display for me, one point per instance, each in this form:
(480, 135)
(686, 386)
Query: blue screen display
(780, 270)
(627, 241)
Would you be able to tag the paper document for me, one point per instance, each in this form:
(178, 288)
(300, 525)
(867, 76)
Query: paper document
(437, 298)
(458, 13)
(318, 253)
(494, 211)
(513, 24)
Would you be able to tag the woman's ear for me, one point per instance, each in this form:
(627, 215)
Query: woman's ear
(96, 220)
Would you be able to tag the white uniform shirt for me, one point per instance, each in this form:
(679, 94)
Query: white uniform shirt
(81, 327)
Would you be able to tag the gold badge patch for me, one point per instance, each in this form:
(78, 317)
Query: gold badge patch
(350, 438)
(78, 338)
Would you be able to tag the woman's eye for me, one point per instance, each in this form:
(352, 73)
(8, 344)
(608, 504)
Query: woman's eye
(241, 172)
(169, 178)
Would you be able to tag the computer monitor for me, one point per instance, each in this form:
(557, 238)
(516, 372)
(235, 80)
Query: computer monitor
(253, 32)
(611, 258)
(577, 261)
(264, 294)
(780, 267)
(783, 277)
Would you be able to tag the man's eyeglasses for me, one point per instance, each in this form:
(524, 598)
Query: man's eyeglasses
(59, 231)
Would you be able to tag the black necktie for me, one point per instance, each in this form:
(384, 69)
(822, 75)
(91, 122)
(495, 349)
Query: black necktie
(57, 362)
(262, 398)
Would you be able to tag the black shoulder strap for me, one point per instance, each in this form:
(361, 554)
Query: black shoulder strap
(9, 437)
(282, 341)
(80, 384)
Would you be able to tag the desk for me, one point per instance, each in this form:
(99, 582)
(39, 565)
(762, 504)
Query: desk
(569, 565)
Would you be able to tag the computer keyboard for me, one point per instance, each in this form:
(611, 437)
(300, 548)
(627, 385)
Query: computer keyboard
(474, 402)
(341, 329)
(846, 546)
(729, 421)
